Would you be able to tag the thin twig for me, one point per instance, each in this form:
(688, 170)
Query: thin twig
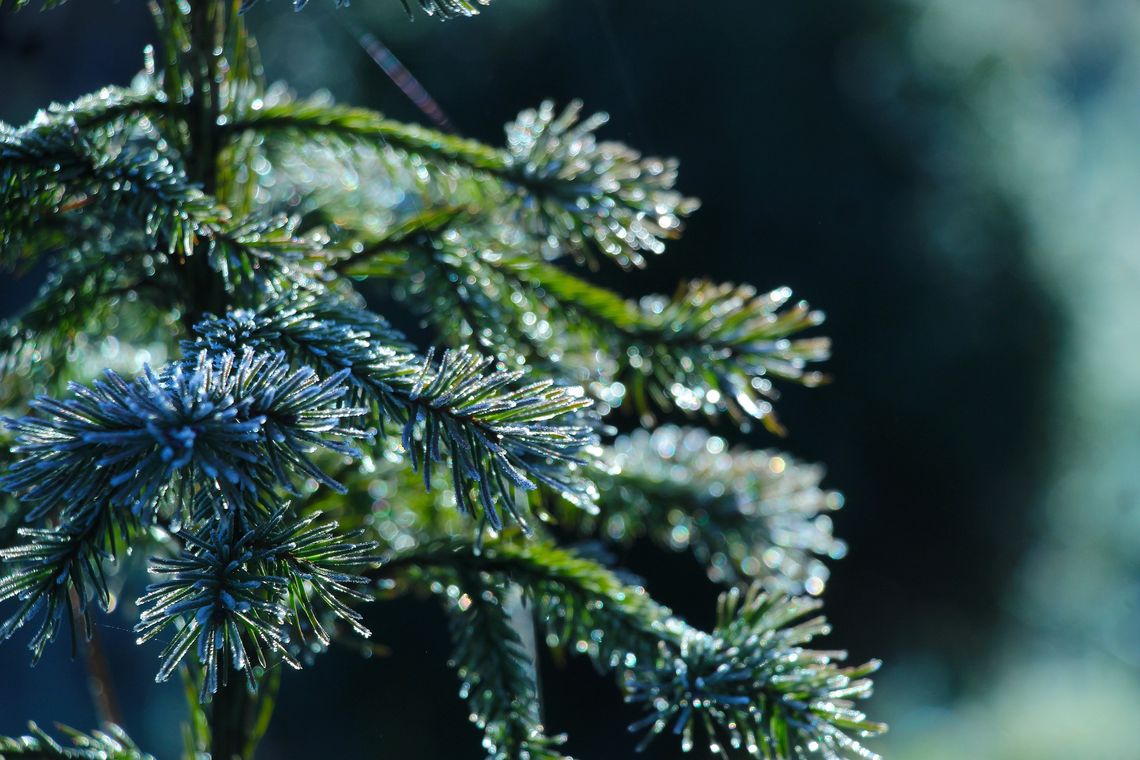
(99, 682)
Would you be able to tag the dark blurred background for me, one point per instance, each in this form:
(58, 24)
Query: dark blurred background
(954, 182)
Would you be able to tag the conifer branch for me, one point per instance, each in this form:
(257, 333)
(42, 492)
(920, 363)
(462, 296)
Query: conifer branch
(255, 259)
(203, 439)
(443, 9)
(708, 349)
(236, 425)
(110, 105)
(750, 683)
(498, 678)
(592, 194)
(236, 596)
(498, 435)
(318, 119)
(446, 9)
(261, 258)
(572, 193)
(112, 743)
(316, 560)
(746, 515)
(51, 564)
(752, 687)
(226, 608)
(80, 289)
(163, 199)
(581, 604)
(55, 172)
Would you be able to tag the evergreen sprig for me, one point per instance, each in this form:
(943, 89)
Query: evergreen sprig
(268, 257)
(496, 671)
(444, 9)
(750, 683)
(582, 606)
(112, 743)
(202, 438)
(573, 194)
(498, 434)
(80, 292)
(222, 606)
(746, 515)
(236, 594)
(54, 171)
(248, 227)
(239, 426)
(714, 347)
(709, 349)
(590, 194)
(316, 560)
(109, 105)
(52, 563)
(752, 686)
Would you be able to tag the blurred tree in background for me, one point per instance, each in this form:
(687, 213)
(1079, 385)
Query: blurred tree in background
(953, 181)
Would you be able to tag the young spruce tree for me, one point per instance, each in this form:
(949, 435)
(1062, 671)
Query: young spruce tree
(289, 457)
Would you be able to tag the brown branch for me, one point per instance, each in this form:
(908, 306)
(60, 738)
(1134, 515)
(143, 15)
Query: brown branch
(99, 682)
